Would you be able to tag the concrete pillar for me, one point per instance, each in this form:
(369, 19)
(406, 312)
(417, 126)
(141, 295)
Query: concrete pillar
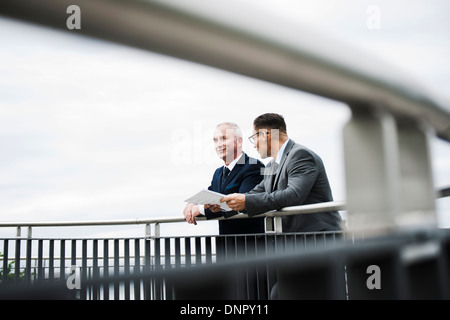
(388, 172)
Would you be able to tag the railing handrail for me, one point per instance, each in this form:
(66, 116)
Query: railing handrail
(303, 209)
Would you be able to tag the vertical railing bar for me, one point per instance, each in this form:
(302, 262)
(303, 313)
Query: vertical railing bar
(73, 258)
(224, 247)
(95, 270)
(187, 251)
(247, 274)
(28, 262)
(157, 281)
(90, 291)
(167, 265)
(198, 251)
(83, 270)
(106, 269)
(208, 251)
(167, 250)
(147, 266)
(116, 270)
(5, 260)
(51, 259)
(40, 268)
(177, 252)
(127, 283)
(62, 259)
(257, 268)
(137, 270)
(266, 267)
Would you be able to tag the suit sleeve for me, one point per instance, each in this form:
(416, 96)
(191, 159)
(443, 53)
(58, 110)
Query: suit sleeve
(258, 188)
(208, 213)
(252, 177)
(301, 174)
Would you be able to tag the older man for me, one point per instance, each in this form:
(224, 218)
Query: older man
(239, 174)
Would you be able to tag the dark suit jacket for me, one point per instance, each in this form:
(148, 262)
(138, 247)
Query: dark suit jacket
(245, 175)
(300, 179)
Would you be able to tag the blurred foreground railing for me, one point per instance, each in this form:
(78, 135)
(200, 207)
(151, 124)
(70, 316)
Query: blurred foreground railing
(407, 265)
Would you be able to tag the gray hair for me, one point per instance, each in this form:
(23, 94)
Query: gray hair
(234, 126)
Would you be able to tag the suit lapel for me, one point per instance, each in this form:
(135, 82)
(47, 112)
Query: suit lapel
(269, 172)
(235, 170)
(282, 163)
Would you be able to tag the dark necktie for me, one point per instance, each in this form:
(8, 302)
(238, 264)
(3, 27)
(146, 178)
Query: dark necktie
(225, 174)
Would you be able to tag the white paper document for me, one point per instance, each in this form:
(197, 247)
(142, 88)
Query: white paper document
(208, 197)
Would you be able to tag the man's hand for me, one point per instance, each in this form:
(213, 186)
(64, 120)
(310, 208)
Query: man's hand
(236, 201)
(190, 212)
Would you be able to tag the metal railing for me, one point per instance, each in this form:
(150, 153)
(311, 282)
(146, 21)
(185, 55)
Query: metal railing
(35, 261)
(331, 265)
(107, 260)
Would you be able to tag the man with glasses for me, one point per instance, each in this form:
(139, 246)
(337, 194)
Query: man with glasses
(296, 176)
(240, 173)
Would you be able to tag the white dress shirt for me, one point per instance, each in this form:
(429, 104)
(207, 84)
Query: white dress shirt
(230, 167)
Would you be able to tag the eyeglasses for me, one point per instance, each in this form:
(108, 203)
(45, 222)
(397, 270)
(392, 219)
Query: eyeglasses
(252, 139)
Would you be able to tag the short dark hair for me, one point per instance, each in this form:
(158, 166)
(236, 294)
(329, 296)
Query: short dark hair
(270, 121)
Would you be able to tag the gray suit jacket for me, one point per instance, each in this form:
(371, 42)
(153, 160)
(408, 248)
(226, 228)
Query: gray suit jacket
(299, 179)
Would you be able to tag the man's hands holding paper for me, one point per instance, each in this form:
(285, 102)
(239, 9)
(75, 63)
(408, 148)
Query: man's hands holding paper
(236, 201)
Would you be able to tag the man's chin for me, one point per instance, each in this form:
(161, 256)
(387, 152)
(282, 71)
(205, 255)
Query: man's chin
(222, 156)
(226, 157)
(263, 155)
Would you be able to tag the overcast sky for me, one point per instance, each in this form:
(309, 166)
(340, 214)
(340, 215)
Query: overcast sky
(94, 130)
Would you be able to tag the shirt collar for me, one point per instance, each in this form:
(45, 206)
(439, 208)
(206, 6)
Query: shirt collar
(281, 152)
(233, 163)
